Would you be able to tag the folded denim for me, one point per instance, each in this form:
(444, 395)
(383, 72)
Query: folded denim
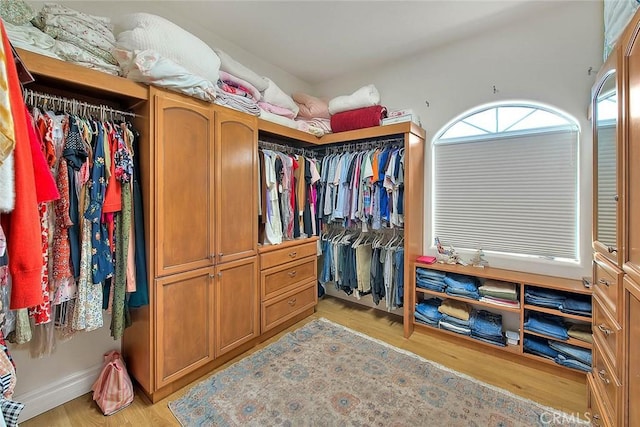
(429, 308)
(572, 352)
(453, 328)
(578, 312)
(462, 293)
(489, 336)
(498, 341)
(572, 363)
(577, 303)
(459, 281)
(423, 272)
(422, 319)
(455, 321)
(431, 287)
(545, 293)
(539, 346)
(547, 325)
(430, 281)
(487, 323)
(543, 302)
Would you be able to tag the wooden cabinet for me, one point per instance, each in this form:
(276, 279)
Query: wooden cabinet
(237, 304)
(236, 185)
(184, 324)
(184, 176)
(632, 350)
(287, 281)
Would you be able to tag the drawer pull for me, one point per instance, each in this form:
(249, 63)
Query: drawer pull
(292, 273)
(604, 282)
(292, 302)
(611, 249)
(603, 376)
(212, 256)
(603, 328)
(293, 254)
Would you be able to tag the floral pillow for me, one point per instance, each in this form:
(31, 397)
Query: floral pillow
(17, 12)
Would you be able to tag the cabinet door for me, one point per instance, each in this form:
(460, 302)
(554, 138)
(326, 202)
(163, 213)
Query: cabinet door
(632, 171)
(184, 190)
(607, 164)
(184, 324)
(632, 342)
(237, 304)
(236, 185)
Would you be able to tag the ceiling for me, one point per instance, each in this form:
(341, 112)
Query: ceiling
(320, 40)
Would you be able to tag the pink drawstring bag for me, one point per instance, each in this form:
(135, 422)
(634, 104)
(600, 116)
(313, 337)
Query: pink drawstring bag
(113, 390)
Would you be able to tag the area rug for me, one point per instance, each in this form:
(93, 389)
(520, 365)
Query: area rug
(324, 374)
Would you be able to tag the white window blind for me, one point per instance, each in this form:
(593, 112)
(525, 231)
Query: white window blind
(509, 194)
(607, 188)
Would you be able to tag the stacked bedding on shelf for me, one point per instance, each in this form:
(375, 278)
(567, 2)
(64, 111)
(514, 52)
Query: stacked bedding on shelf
(82, 39)
(359, 110)
(313, 115)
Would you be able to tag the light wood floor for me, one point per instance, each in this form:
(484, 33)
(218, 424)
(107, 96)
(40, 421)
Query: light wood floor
(539, 382)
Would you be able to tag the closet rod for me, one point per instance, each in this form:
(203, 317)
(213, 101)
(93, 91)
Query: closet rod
(285, 148)
(365, 144)
(70, 105)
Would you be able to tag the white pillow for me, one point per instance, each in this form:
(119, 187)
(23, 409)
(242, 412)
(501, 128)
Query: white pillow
(238, 70)
(143, 31)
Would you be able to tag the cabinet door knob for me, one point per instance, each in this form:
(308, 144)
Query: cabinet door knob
(604, 282)
(293, 254)
(292, 302)
(603, 328)
(220, 274)
(612, 249)
(603, 376)
(212, 256)
(292, 273)
(220, 255)
(211, 275)
(615, 197)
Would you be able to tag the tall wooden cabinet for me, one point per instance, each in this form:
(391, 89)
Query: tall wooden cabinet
(614, 383)
(204, 296)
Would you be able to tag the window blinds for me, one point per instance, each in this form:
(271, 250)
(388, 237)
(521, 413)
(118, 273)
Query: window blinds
(515, 194)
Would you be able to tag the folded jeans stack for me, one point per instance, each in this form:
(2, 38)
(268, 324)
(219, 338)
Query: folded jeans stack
(572, 356)
(487, 327)
(544, 297)
(546, 324)
(430, 279)
(580, 305)
(539, 347)
(427, 312)
(461, 286)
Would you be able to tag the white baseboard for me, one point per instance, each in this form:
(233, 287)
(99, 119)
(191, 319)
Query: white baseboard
(57, 393)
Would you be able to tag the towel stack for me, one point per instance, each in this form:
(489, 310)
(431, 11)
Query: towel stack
(359, 110)
(499, 293)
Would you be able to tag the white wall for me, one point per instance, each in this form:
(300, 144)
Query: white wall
(544, 58)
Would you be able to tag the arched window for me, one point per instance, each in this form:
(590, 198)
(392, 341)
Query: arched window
(505, 178)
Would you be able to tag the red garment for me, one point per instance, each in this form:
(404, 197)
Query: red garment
(46, 188)
(113, 195)
(22, 225)
(359, 118)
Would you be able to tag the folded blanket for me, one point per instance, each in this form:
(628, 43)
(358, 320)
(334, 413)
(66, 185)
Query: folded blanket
(281, 120)
(142, 31)
(276, 110)
(358, 119)
(276, 96)
(71, 53)
(233, 67)
(317, 127)
(241, 84)
(150, 67)
(311, 107)
(31, 38)
(364, 97)
(61, 34)
(240, 103)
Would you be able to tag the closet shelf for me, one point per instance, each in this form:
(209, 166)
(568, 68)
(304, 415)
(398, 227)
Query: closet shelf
(548, 282)
(571, 341)
(468, 300)
(515, 349)
(557, 313)
(63, 75)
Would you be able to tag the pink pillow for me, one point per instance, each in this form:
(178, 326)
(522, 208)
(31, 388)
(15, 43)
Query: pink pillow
(311, 107)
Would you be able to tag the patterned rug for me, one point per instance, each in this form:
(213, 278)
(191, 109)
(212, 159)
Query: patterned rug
(324, 374)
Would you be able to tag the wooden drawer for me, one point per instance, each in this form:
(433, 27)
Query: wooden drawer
(609, 333)
(600, 416)
(284, 307)
(284, 277)
(270, 258)
(605, 381)
(607, 284)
